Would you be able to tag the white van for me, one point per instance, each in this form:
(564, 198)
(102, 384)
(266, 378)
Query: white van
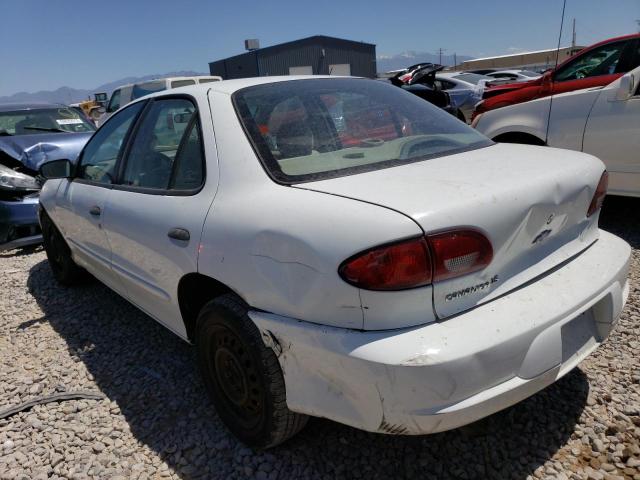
(127, 93)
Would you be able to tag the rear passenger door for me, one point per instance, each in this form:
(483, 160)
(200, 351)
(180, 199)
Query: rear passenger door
(158, 206)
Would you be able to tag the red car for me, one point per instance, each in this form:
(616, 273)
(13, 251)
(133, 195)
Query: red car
(594, 66)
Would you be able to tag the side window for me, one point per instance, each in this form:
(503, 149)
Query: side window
(188, 165)
(599, 61)
(182, 83)
(114, 103)
(100, 155)
(157, 141)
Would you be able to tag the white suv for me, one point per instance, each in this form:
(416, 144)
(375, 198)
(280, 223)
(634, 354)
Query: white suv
(125, 94)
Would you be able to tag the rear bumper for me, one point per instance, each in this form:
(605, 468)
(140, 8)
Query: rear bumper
(19, 225)
(446, 374)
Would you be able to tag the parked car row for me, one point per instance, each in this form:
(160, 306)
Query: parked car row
(594, 66)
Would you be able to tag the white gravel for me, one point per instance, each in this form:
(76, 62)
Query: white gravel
(156, 421)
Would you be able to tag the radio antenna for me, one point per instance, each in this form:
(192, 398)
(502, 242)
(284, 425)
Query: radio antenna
(564, 6)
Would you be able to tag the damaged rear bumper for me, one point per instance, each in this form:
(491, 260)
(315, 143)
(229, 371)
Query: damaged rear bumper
(19, 225)
(447, 374)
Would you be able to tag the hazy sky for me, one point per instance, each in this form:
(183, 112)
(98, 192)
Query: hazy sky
(45, 44)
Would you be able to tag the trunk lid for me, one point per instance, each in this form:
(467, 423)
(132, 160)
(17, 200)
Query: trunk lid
(530, 202)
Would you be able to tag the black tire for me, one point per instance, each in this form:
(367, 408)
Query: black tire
(62, 265)
(243, 376)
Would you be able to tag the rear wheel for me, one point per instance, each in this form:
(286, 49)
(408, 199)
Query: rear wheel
(62, 265)
(243, 376)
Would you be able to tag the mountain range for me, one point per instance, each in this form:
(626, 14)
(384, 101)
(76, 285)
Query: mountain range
(68, 95)
(72, 95)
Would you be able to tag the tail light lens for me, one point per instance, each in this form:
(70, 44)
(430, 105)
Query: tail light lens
(601, 192)
(459, 252)
(418, 262)
(390, 267)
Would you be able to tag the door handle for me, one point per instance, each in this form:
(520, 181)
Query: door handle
(95, 210)
(179, 234)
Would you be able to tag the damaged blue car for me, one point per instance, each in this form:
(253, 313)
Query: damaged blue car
(30, 135)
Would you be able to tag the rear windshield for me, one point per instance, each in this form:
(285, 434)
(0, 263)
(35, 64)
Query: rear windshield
(306, 130)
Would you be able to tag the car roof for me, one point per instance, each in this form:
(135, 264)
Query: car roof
(14, 107)
(230, 86)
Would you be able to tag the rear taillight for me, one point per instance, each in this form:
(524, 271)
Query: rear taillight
(601, 192)
(459, 252)
(419, 261)
(390, 267)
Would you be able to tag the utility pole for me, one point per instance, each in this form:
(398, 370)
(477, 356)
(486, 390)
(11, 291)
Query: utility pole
(440, 50)
(455, 61)
(573, 37)
(638, 23)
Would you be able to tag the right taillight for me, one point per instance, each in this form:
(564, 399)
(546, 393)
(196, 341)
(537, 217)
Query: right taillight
(601, 192)
(419, 261)
(459, 252)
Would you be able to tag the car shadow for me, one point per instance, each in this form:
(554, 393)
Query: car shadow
(152, 376)
(621, 216)
(20, 252)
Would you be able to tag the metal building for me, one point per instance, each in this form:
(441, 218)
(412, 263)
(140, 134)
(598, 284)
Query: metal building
(317, 55)
(539, 60)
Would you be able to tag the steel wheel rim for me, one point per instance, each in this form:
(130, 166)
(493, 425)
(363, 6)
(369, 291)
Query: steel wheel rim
(235, 371)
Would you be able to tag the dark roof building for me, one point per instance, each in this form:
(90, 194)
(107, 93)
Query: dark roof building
(317, 55)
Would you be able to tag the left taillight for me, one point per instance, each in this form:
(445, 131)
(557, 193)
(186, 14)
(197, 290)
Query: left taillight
(601, 192)
(396, 266)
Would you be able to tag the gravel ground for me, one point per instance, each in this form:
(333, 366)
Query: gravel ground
(155, 420)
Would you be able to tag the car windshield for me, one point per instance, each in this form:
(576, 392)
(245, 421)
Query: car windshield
(529, 73)
(472, 77)
(307, 130)
(43, 120)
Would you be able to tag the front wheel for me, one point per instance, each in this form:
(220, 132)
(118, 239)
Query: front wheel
(243, 376)
(62, 265)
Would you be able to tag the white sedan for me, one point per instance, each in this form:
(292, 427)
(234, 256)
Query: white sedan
(602, 121)
(465, 89)
(514, 75)
(340, 248)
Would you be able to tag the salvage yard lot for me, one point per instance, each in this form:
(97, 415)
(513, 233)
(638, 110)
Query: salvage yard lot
(155, 420)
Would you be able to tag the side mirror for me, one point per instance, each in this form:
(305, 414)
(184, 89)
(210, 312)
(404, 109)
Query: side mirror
(55, 169)
(626, 87)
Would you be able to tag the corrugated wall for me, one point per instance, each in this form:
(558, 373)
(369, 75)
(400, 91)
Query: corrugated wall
(276, 60)
(361, 57)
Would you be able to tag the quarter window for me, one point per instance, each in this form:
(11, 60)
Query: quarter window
(99, 157)
(166, 145)
(182, 83)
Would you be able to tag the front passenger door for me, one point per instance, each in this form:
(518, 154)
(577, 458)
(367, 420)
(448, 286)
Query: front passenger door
(82, 201)
(158, 208)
